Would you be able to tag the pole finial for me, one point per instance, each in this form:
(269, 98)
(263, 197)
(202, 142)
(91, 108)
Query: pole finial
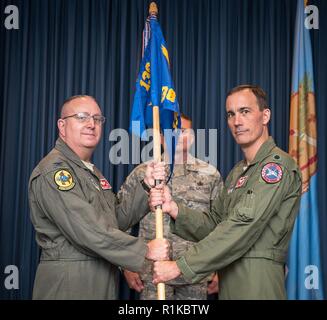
(153, 9)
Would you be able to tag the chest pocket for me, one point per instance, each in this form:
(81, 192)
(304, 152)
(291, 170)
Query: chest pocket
(110, 199)
(93, 190)
(103, 201)
(197, 193)
(244, 210)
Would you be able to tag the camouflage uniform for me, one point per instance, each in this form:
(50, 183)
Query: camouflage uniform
(196, 184)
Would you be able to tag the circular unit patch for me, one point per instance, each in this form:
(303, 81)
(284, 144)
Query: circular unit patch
(64, 180)
(272, 173)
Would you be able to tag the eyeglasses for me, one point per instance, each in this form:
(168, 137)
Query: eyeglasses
(86, 117)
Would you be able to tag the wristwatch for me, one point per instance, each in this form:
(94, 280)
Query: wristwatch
(145, 186)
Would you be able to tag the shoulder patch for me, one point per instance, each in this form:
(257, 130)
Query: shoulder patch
(272, 173)
(64, 180)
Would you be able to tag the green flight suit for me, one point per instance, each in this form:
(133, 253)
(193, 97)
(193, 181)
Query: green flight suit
(246, 234)
(78, 219)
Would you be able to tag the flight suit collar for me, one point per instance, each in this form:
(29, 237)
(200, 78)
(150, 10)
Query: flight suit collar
(192, 163)
(264, 150)
(68, 152)
(72, 156)
(242, 171)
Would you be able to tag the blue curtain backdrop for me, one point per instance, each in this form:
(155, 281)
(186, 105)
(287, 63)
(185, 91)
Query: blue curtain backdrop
(66, 47)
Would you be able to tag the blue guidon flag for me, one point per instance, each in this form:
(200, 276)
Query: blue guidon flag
(154, 87)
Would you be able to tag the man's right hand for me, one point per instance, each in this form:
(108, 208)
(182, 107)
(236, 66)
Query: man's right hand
(158, 249)
(134, 280)
(160, 195)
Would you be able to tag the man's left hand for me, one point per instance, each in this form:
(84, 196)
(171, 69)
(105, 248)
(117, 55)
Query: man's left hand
(213, 285)
(164, 271)
(155, 171)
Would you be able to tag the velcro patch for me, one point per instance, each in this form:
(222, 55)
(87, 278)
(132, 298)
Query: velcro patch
(64, 180)
(272, 173)
(241, 182)
(105, 185)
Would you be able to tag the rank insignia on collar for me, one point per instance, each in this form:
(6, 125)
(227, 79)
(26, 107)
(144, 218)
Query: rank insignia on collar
(64, 180)
(241, 182)
(105, 185)
(272, 173)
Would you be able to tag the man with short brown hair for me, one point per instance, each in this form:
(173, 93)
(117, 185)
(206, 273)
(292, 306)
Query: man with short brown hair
(246, 234)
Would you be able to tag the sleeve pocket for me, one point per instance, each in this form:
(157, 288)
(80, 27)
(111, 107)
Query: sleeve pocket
(245, 210)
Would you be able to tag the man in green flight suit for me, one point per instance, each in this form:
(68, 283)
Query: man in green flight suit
(77, 218)
(245, 236)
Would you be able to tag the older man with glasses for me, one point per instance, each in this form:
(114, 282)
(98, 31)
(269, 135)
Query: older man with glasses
(79, 223)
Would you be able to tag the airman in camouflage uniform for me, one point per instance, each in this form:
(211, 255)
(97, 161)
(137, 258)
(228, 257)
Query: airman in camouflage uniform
(196, 184)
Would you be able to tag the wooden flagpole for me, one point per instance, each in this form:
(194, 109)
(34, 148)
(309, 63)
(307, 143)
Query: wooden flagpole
(153, 10)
